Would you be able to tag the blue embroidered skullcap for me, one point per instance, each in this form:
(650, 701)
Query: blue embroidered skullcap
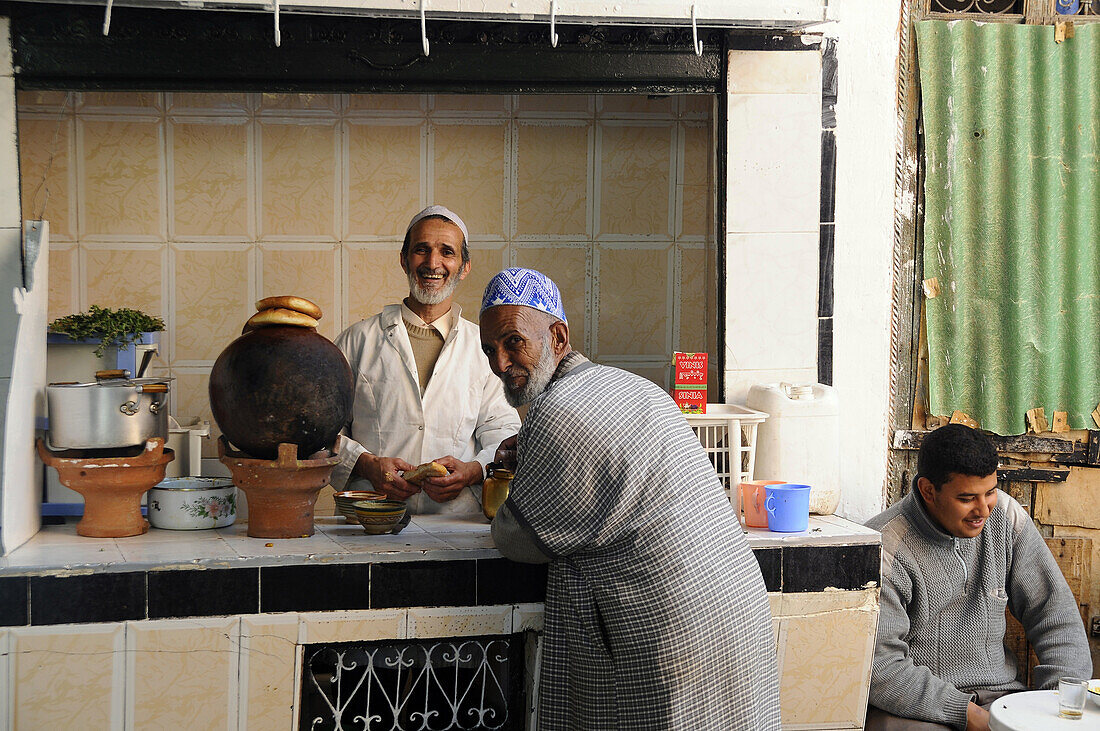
(526, 287)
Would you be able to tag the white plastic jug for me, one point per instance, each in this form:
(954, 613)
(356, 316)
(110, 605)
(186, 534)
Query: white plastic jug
(800, 441)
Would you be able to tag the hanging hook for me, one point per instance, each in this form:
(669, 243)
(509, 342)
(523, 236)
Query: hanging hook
(695, 33)
(553, 14)
(278, 32)
(107, 18)
(423, 27)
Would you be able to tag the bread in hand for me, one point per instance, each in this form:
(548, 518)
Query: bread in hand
(290, 302)
(424, 471)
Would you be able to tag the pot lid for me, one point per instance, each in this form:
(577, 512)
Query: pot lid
(114, 383)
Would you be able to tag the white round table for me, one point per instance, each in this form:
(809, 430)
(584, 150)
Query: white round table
(1037, 710)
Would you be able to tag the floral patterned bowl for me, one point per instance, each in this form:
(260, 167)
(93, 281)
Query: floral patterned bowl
(193, 503)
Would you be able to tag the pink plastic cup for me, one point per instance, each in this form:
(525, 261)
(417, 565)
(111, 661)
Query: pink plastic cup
(751, 502)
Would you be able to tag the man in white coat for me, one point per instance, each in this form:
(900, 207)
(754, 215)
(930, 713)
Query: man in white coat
(423, 388)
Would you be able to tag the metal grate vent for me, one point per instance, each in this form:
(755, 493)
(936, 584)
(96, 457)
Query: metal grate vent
(456, 684)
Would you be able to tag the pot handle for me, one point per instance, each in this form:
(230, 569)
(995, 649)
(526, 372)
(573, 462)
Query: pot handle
(118, 373)
(154, 388)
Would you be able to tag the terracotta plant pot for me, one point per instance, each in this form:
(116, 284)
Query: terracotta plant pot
(111, 486)
(282, 492)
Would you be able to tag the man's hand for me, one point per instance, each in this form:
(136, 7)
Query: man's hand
(460, 474)
(385, 474)
(977, 718)
(506, 453)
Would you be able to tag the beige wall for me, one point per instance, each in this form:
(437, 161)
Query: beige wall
(192, 206)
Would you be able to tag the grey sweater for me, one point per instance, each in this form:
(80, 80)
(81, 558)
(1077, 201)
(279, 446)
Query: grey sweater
(942, 623)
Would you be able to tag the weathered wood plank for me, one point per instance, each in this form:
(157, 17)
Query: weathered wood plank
(1068, 450)
(1032, 474)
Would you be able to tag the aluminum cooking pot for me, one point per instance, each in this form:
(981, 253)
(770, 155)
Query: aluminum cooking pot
(112, 412)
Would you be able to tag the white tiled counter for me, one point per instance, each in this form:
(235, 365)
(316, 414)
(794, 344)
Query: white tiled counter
(91, 627)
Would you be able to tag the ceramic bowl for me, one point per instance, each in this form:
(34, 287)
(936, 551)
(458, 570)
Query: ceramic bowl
(379, 516)
(345, 502)
(1094, 692)
(192, 503)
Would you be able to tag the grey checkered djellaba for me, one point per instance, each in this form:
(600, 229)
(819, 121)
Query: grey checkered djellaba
(656, 612)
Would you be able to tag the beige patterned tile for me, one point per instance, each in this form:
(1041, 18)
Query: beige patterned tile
(830, 654)
(817, 602)
(698, 104)
(568, 268)
(315, 102)
(696, 188)
(229, 102)
(775, 72)
(469, 174)
(298, 180)
(307, 273)
(183, 673)
(633, 312)
(93, 100)
(209, 180)
(634, 183)
(471, 103)
(351, 626)
(269, 656)
(375, 279)
(555, 103)
(212, 301)
(190, 399)
(45, 190)
(383, 178)
(63, 269)
(32, 98)
(553, 179)
(657, 375)
(68, 676)
(613, 104)
(484, 265)
(385, 102)
(460, 621)
(122, 177)
(698, 306)
(125, 277)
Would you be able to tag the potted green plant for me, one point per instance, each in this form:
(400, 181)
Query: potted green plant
(84, 342)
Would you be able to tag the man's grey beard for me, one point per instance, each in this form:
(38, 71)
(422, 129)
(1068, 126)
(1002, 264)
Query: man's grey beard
(431, 297)
(537, 379)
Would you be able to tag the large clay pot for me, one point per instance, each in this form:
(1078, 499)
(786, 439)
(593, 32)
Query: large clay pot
(278, 385)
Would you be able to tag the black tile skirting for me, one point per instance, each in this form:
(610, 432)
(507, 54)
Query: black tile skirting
(165, 594)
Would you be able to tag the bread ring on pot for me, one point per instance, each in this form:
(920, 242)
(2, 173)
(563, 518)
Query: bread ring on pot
(279, 316)
(424, 471)
(290, 302)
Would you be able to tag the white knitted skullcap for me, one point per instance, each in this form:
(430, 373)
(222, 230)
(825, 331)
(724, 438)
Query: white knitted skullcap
(440, 211)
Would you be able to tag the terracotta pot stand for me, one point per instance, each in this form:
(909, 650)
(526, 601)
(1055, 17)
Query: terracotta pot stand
(111, 486)
(281, 493)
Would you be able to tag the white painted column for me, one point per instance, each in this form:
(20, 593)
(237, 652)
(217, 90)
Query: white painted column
(773, 196)
(867, 50)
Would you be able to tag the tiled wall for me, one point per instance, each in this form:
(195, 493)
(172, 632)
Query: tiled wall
(192, 206)
(242, 671)
(774, 237)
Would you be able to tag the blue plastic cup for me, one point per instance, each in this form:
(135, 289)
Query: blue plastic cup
(788, 508)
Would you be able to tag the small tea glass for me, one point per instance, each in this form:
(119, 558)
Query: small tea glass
(1071, 697)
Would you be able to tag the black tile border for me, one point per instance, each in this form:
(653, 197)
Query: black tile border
(87, 598)
(210, 592)
(317, 588)
(817, 568)
(771, 567)
(215, 592)
(500, 581)
(14, 601)
(825, 350)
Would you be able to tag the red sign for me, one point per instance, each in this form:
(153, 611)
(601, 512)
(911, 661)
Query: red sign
(689, 382)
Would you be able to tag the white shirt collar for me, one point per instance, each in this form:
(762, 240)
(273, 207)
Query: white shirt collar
(442, 325)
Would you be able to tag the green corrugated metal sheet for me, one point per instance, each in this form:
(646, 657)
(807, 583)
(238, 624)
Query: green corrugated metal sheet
(1012, 220)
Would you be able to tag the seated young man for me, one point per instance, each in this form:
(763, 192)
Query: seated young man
(955, 552)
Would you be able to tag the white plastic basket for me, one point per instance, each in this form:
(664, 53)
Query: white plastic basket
(728, 435)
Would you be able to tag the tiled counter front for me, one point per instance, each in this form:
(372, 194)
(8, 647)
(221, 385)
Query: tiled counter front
(206, 630)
